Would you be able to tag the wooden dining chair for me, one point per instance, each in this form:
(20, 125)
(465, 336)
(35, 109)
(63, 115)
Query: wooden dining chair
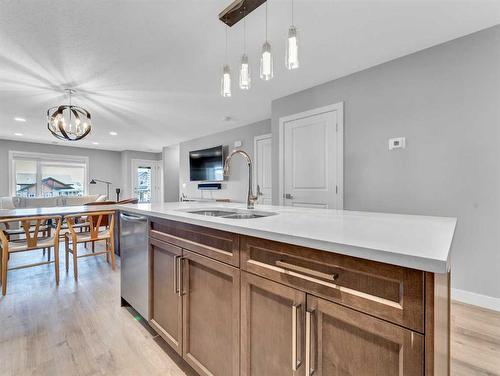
(32, 241)
(100, 225)
(13, 230)
(83, 222)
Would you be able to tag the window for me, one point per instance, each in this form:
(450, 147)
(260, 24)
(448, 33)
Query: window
(47, 175)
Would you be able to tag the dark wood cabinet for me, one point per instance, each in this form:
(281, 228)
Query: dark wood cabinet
(342, 341)
(292, 310)
(211, 315)
(390, 292)
(166, 298)
(272, 328)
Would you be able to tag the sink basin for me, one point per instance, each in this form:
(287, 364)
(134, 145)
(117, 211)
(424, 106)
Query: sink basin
(247, 215)
(231, 214)
(212, 213)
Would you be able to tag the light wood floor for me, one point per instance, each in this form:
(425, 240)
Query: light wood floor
(80, 328)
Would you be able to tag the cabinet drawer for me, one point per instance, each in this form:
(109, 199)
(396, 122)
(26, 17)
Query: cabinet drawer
(390, 292)
(216, 244)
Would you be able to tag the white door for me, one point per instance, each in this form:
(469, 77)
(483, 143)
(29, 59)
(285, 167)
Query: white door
(147, 182)
(311, 160)
(262, 174)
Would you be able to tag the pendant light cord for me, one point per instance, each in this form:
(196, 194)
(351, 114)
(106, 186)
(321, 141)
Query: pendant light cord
(244, 32)
(292, 12)
(226, 44)
(266, 21)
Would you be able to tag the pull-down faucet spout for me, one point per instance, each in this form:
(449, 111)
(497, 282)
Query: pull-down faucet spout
(251, 198)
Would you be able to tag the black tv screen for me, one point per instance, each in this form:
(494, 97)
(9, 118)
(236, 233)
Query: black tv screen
(207, 164)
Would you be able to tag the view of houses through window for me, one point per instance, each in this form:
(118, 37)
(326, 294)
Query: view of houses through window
(143, 190)
(48, 178)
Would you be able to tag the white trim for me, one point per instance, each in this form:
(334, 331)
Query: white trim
(255, 140)
(339, 107)
(479, 300)
(57, 158)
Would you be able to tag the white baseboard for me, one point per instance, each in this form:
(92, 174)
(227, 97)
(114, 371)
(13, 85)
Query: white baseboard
(476, 299)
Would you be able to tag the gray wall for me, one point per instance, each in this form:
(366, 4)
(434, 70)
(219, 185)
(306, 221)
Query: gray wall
(171, 173)
(103, 164)
(446, 102)
(126, 168)
(234, 187)
(107, 165)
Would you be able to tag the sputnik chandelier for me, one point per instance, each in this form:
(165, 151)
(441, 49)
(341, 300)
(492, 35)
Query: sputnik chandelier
(237, 11)
(68, 122)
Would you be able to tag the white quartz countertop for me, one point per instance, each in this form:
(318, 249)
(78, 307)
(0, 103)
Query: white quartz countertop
(414, 241)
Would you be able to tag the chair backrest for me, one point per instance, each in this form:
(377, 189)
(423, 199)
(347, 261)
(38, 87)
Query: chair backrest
(31, 227)
(96, 220)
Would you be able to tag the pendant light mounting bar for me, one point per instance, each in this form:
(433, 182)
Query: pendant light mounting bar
(238, 10)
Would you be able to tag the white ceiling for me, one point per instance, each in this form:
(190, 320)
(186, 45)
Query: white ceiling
(150, 70)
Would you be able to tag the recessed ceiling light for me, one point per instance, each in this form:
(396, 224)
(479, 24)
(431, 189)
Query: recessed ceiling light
(95, 143)
(113, 133)
(22, 120)
(18, 134)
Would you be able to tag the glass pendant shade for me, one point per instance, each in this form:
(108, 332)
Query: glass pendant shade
(225, 82)
(266, 62)
(245, 78)
(292, 49)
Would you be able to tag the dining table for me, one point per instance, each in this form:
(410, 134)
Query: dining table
(63, 211)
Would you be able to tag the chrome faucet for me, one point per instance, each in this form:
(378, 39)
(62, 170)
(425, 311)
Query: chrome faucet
(251, 198)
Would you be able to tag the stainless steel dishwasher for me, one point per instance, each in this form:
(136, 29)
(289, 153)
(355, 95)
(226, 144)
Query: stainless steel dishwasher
(134, 259)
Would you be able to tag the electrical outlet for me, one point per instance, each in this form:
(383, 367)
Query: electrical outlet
(397, 143)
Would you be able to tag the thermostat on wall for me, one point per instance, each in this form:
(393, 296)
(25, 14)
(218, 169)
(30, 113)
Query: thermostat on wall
(397, 143)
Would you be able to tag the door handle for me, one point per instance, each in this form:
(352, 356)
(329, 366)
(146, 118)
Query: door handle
(288, 196)
(295, 363)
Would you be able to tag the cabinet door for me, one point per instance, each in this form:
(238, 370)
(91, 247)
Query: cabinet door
(344, 342)
(166, 316)
(272, 328)
(211, 315)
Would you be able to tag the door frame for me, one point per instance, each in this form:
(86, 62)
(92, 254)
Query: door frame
(256, 139)
(339, 107)
(156, 163)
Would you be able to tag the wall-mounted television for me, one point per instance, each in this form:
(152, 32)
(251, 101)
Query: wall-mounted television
(207, 164)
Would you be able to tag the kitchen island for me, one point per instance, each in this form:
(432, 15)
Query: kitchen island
(300, 291)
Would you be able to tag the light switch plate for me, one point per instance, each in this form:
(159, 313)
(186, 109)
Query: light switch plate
(237, 144)
(397, 143)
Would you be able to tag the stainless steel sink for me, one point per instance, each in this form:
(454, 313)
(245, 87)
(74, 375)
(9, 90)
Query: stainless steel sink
(231, 214)
(212, 213)
(246, 215)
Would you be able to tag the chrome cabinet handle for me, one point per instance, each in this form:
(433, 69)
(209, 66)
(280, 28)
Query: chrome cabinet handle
(309, 370)
(176, 287)
(295, 363)
(286, 265)
(180, 287)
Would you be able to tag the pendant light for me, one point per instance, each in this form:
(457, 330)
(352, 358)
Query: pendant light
(68, 122)
(266, 59)
(245, 78)
(225, 82)
(292, 48)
